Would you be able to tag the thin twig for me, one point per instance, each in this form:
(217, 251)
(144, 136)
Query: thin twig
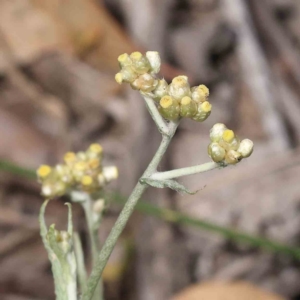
(124, 216)
(158, 119)
(81, 272)
(185, 171)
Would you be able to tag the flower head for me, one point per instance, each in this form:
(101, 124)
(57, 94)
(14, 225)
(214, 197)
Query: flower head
(225, 146)
(81, 171)
(140, 72)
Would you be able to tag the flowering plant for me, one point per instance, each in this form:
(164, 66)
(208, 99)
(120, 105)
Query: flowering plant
(82, 174)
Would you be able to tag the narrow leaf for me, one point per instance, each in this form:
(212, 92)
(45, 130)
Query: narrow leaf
(172, 184)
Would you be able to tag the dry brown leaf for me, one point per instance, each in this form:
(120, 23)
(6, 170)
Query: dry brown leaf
(225, 291)
(95, 35)
(29, 31)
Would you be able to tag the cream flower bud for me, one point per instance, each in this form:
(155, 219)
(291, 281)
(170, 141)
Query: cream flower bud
(124, 60)
(128, 75)
(70, 158)
(53, 189)
(119, 78)
(179, 88)
(81, 171)
(60, 188)
(81, 155)
(94, 151)
(188, 107)
(101, 179)
(200, 93)
(232, 157)
(233, 145)
(140, 63)
(216, 132)
(154, 60)
(203, 112)
(47, 190)
(110, 173)
(161, 90)
(145, 83)
(64, 173)
(216, 152)
(169, 108)
(245, 148)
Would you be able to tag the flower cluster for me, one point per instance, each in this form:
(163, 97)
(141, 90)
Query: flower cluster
(81, 171)
(139, 70)
(174, 100)
(225, 146)
(179, 100)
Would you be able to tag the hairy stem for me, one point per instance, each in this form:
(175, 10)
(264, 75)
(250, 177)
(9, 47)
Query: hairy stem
(81, 272)
(93, 228)
(185, 171)
(125, 215)
(157, 118)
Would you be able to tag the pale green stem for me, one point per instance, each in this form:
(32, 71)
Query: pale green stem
(81, 272)
(185, 171)
(125, 215)
(157, 118)
(93, 228)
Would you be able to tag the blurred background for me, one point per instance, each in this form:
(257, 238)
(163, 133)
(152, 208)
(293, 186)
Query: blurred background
(57, 93)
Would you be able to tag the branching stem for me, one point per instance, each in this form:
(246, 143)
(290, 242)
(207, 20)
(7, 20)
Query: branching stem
(128, 208)
(185, 171)
(94, 239)
(157, 118)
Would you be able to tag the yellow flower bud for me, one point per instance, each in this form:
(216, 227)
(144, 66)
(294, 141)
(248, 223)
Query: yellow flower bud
(245, 148)
(216, 132)
(80, 166)
(87, 181)
(119, 78)
(78, 170)
(140, 63)
(169, 108)
(124, 60)
(200, 93)
(154, 60)
(43, 171)
(229, 141)
(128, 75)
(94, 163)
(232, 157)
(70, 158)
(136, 55)
(216, 152)
(228, 136)
(206, 107)
(145, 83)
(188, 107)
(96, 148)
(179, 88)
(203, 112)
